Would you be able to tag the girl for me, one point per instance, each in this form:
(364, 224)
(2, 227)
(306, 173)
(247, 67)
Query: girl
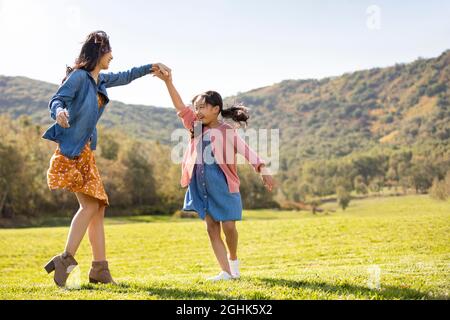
(212, 182)
(77, 106)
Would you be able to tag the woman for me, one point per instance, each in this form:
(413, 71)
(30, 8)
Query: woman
(77, 106)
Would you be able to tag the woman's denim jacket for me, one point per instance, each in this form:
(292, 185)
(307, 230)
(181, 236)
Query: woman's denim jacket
(78, 94)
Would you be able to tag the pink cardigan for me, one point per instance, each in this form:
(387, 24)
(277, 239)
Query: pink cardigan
(225, 144)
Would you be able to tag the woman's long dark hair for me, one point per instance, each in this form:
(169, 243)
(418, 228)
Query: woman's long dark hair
(238, 113)
(95, 46)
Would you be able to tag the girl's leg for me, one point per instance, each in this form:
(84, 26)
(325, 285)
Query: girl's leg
(217, 244)
(89, 206)
(96, 233)
(231, 237)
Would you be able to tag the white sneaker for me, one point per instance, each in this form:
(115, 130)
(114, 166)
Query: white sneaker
(223, 275)
(234, 268)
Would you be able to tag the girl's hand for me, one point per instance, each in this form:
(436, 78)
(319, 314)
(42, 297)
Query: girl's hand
(166, 77)
(267, 178)
(268, 181)
(62, 117)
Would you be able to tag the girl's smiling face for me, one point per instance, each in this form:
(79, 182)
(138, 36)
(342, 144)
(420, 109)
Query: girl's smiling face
(205, 112)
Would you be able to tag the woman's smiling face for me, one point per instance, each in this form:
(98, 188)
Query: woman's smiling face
(105, 60)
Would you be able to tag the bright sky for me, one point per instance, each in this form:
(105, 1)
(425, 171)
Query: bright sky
(229, 46)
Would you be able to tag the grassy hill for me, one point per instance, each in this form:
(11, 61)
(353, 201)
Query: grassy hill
(284, 255)
(23, 96)
(406, 104)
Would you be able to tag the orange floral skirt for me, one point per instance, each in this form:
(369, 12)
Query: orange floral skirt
(77, 175)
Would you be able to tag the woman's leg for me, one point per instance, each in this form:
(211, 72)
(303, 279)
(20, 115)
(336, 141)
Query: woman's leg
(231, 237)
(217, 244)
(96, 233)
(99, 272)
(89, 207)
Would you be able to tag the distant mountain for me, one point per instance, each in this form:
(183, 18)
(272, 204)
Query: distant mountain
(406, 104)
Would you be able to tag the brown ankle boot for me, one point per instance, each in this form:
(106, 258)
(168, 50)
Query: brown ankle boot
(62, 264)
(99, 273)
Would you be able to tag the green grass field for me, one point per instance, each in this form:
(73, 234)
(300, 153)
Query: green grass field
(284, 255)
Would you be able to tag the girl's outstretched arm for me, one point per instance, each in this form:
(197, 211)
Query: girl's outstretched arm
(185, 113)
(252, 157)
(174, 95)
(267, 179)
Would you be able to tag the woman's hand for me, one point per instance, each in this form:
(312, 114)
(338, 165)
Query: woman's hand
(62, 117)
(160, 67)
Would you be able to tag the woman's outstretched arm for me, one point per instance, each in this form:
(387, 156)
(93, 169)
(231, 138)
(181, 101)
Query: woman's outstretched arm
(125, 77)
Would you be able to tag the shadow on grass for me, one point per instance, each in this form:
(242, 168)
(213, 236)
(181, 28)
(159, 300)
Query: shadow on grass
(22, 222)
(386, 292)
(159, 292)
(345, 290)
(50, 222)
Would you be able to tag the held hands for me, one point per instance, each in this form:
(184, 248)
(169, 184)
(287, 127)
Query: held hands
(162, 71)
(62, 117)
(162, 74)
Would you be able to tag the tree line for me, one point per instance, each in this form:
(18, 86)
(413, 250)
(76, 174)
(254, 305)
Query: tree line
(138, 175)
